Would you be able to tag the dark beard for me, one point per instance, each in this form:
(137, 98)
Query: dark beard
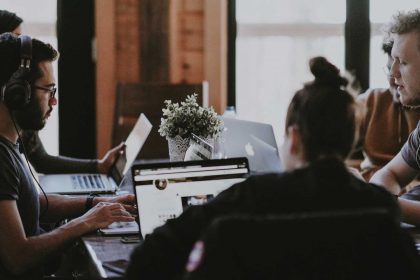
(30, 117)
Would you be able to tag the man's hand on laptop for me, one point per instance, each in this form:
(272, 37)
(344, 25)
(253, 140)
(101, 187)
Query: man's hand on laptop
(106, 162)
(127, 201)
(104, 214)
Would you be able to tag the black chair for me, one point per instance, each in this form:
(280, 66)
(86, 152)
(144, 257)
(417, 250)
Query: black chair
(148, 98)
(360, 244)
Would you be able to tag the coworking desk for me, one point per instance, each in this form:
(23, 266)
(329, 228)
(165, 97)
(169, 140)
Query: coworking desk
(84, 260)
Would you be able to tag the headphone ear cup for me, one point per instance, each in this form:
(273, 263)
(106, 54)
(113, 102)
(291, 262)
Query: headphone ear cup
(17, 92)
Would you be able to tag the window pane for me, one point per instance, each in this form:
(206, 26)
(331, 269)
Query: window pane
(382, 11)
(273, 48)
(287, 11)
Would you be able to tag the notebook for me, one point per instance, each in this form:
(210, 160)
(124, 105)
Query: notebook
(253, 140)
(101, 183)
(164, 190)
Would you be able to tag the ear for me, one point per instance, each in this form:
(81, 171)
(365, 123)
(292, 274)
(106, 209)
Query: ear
(295, 145)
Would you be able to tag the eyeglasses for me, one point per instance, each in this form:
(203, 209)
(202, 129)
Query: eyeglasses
(51, 91)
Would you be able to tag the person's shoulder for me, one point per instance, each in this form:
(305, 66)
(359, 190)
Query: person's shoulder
(269, 178)
(375, 94)
(256, 183)
(5, 149)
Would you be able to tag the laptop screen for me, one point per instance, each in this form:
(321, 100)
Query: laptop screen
(133, 145)
(164, 191)
(254, 140)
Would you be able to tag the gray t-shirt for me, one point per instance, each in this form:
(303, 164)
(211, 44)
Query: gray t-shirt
(16, 184)
(410, 150)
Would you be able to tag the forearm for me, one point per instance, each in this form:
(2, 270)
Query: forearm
(45, 163)
(18, 252)
(48, 164)
(34, 250)
(62, 207)
(388, 180)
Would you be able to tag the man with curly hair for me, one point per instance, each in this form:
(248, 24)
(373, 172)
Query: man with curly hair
(405, 69)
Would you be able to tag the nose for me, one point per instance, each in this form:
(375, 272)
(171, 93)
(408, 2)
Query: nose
(395, 69)
(53, 101)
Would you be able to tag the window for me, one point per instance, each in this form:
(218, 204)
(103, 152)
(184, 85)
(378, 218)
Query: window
(39, 21)
(276, 38)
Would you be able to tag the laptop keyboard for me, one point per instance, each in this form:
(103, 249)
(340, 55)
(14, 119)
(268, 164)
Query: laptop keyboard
(87, 182)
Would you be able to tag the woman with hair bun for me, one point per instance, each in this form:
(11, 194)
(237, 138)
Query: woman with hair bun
(320, 131)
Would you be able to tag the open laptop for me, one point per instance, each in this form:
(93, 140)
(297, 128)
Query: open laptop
(101, 183)
(164, 190)
(254, 140)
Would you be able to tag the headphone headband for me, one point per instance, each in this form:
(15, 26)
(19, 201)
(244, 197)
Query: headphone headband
(25, 51)
(17, 91)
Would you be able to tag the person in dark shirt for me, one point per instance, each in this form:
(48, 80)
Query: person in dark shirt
(320, 133)
(27, 98)
(37, 155)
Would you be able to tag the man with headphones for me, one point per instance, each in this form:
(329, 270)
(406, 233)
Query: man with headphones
(37, 155)
(27, 98)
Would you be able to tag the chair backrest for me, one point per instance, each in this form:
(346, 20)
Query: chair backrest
(133, 99)
(365, 244)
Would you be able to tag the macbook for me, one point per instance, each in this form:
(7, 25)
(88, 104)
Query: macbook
(101, 183)
(253, 140)
(165, 190)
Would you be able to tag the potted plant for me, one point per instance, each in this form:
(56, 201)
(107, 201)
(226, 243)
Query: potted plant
(179, 121)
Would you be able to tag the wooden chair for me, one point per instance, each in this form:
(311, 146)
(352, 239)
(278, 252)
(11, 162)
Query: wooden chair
(133, 99)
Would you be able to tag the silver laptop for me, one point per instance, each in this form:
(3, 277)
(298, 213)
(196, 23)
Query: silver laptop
(101, 183)
(253, 140)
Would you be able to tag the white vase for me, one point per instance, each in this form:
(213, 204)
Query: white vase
(177, 147)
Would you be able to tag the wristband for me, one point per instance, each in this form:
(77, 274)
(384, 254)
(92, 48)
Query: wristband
(89, 201)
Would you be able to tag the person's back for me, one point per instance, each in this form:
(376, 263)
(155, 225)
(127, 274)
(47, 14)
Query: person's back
(319, 136)
(346, 244)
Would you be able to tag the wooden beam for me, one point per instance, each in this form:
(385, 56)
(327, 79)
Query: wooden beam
(105, 72)
(215, 52)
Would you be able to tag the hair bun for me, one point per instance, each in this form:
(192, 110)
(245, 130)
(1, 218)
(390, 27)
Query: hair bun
(326, 73)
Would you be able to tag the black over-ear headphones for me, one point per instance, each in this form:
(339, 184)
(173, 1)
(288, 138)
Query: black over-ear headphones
(17, 91)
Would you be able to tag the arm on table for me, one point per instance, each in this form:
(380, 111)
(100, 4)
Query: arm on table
(62, 206)
(19, 253)
(395, 175)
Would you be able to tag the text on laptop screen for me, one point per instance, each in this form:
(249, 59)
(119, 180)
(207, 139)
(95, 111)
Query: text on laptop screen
(163, 193)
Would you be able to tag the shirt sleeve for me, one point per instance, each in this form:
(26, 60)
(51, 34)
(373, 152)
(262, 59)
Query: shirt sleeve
(9, 178)
(410, 150)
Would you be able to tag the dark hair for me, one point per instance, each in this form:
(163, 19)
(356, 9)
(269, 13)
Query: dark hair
(324, 113)
(8, 21)
(10, 57)
(387, 44)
